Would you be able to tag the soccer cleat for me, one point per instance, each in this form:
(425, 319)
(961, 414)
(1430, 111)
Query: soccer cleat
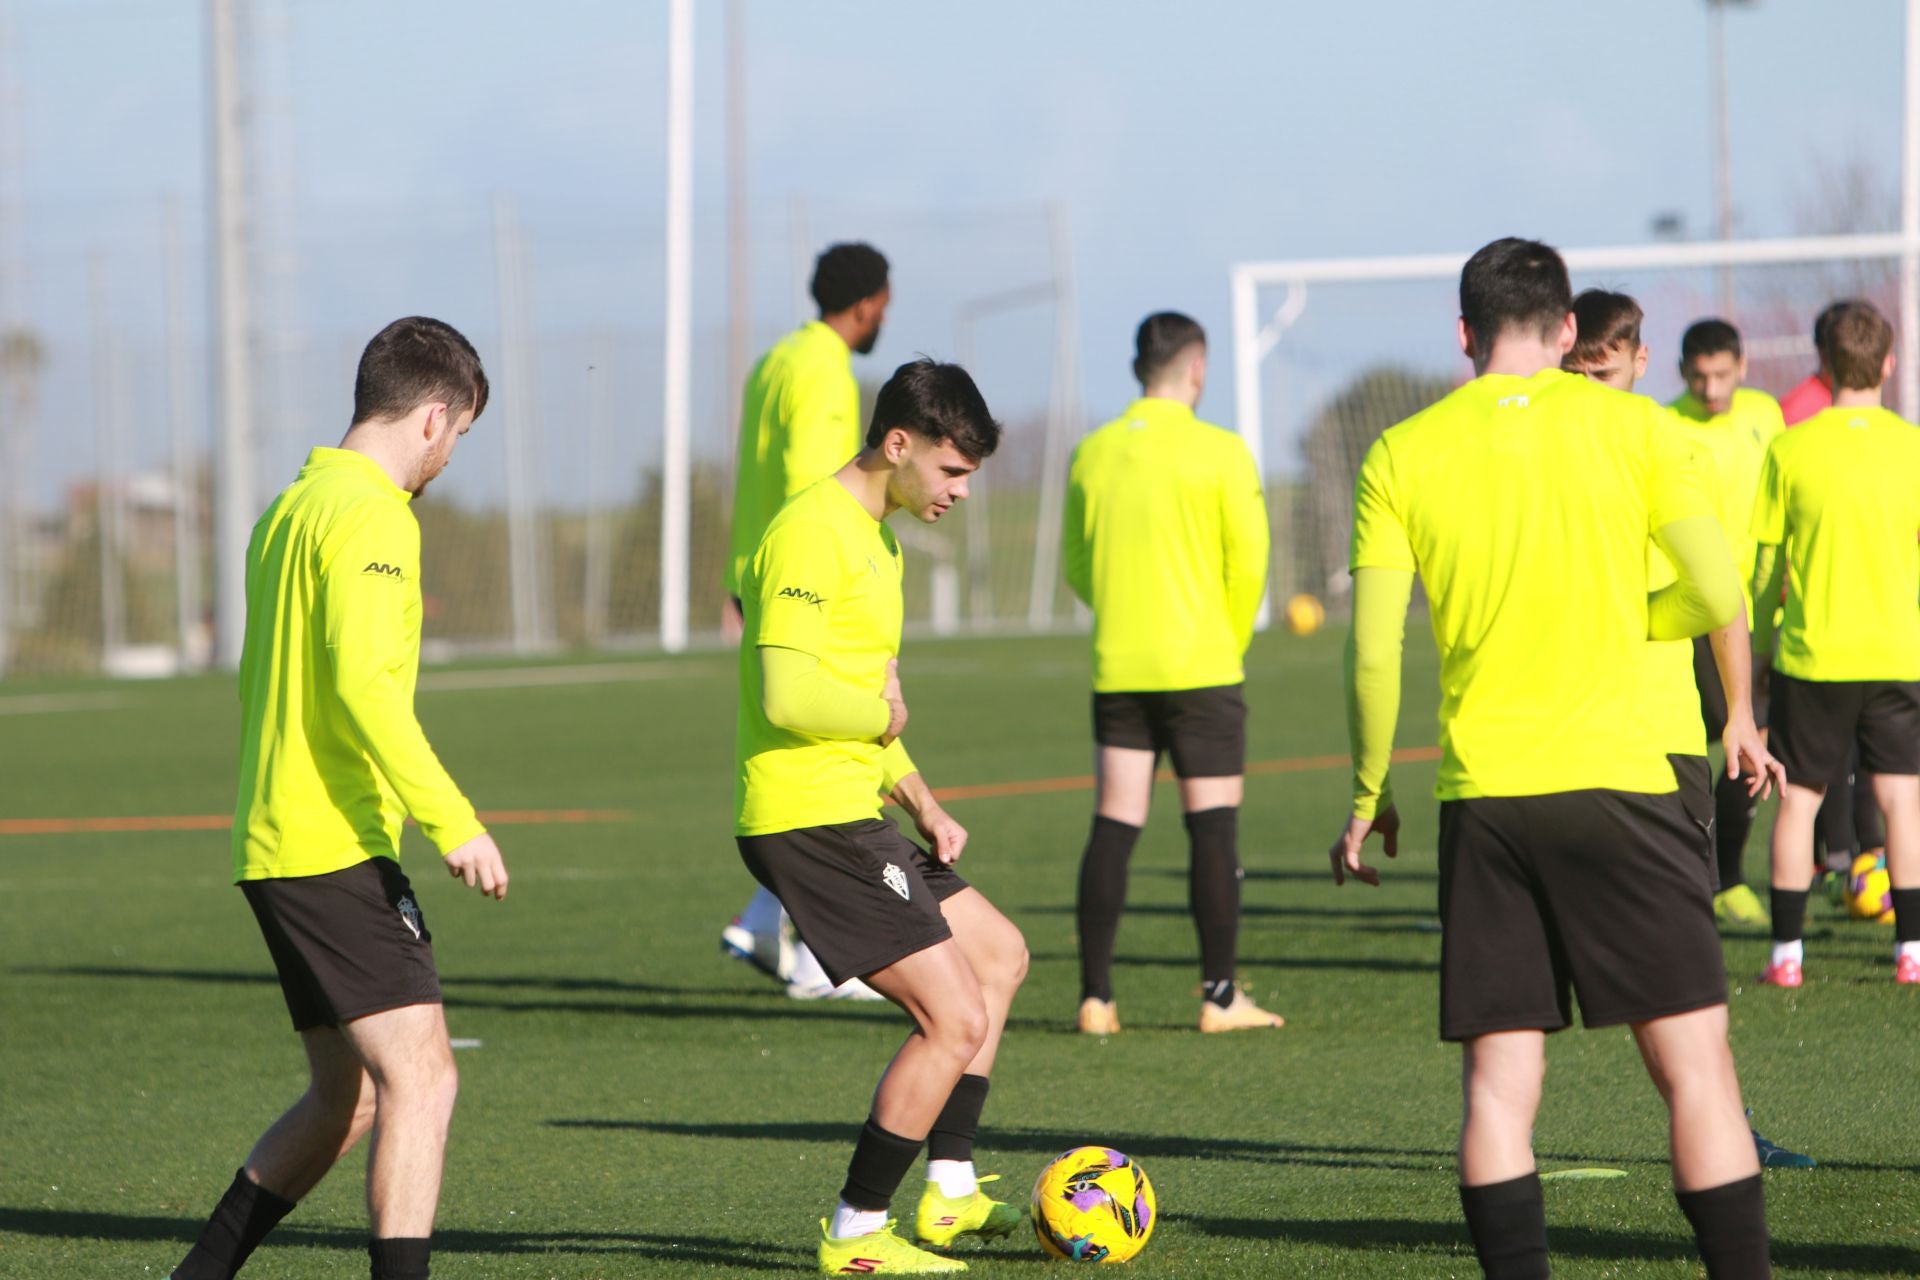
(1740, 907)
(882, 1253)
(851, 989)
(1098, 1017)
(1242, 1015)
(1907, 971)
(1787, 973)
(942, 1220)
(1778, 1157)
(771, 953)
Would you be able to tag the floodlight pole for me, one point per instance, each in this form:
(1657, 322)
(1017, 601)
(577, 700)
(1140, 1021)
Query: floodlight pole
(675, 475)
(233, 505)
(1910, 223)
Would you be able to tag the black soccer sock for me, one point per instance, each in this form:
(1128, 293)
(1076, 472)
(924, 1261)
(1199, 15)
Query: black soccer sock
(1789, 914)
(1103, 896)
(1508, 1222)
(953, 1130)
(880, 1161)
(1906, 915)
(242, 1219)
(1733, 811)
(1833, 828)
(1730, 1227)
(400, 1257)
(1213, 894)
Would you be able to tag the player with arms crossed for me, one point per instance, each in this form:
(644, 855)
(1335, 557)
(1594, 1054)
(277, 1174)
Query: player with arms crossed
(332, 762)
(819, 744)
(1166, 539)
(800, 422)
(1839, 512)
(1569, 857)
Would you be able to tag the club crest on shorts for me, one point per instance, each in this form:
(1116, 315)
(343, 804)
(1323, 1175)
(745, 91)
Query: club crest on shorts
(409, 912)
(896, 880)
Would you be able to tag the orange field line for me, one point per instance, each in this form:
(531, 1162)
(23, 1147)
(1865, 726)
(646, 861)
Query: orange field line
(537, 817)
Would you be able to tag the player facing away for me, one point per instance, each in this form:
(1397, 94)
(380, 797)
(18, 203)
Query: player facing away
(1734, 424)
(1570, 860)
(1839, 515)
(800, 422)
(821, 713)
(332, 762)
(1166, 538)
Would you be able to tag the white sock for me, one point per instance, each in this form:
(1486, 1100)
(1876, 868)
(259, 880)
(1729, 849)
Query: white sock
(1904, 949)
(807, 971)
(761, 915)
(1784, 951)
(849, 1222)
(955, 1178)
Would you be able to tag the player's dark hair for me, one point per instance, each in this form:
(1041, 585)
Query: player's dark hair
(936, 402)
(846, 274)
(1709, 338)
(417, 361)
(1160, 340)
(1855, 344)
(1514, 284)
(1606, 321)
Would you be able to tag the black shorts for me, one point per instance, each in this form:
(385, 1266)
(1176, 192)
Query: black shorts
(1607, 895)
(347, 944)
(1816, 723)
(1713, 698)
(861, 894)
(1204, 730)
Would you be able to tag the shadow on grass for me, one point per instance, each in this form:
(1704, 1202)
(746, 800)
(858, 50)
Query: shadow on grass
(1564, 1241)
(749, 1255)
(1320, 876)
(1046, 1142)
(1357, 964)
(1344, 916)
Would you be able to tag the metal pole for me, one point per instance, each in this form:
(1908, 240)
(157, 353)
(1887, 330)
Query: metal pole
(234, 500)
(598, 539)
(522, 535)
(1910, 224)
(1246, 387)
(675, 477)
(13, 408)
(1061, 420)
(1722, 143)
(186, 497)
(108, 475)
(739, 233)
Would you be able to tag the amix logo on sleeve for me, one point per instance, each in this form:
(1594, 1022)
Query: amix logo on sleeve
(802, 595)
(380, 570)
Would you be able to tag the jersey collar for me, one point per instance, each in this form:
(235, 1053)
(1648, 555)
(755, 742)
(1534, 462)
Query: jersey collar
(321, 458)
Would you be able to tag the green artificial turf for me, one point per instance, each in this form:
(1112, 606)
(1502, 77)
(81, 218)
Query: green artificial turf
(640, 1106)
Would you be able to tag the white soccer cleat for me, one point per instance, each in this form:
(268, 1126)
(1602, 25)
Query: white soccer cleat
(771, 953)
(810, 982)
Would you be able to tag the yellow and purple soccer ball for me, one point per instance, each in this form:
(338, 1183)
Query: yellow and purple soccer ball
(1870, 889)
(1093, 1204)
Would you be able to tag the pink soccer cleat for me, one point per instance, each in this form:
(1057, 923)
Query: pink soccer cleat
(1787, 974)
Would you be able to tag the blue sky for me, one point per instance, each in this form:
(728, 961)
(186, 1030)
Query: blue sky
(1178, 140)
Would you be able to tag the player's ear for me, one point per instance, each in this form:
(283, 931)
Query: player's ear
(1569, 333)
(896, 444)
(1466, 337)
(1640, 362)
(1886, 368)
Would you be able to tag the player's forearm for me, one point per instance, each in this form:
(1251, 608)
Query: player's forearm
(391, 732)
(1769, 568)
(1733, 659)
(1380, 599)
(797, 695)
(911, 792)
(1706, 592)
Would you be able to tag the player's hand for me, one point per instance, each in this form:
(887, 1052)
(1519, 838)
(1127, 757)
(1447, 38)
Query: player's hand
(478, 862)
(943, 835)
(1345, 854)
(1748, 757)
(897, 719)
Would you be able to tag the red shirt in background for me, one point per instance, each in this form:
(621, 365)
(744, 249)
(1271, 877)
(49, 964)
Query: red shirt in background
(1807, 399)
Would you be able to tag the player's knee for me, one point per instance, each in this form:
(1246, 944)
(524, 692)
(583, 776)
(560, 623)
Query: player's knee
(1017, 960)
(961, 1028)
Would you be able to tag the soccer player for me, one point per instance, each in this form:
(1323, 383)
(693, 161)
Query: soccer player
(332, 762)
(1569, 856)
(1166, 538)
(820, 717)
(1839, 512)
(800, 422)
(1735, 424)
(1815, 391)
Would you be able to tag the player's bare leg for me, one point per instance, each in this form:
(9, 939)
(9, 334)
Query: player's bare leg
(410, 1061)
(1899, 798)
(1123, 778)
(330, 1118)
(938, 990)
(1500, 1079)
(1792, 855)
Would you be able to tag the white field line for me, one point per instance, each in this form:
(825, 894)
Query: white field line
(547, 677)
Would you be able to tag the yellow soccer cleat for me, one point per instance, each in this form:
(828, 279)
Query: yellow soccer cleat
(882, 1253)
(942, 1220)
(1242, 1015)
(1098, 1017)
(1740, 907)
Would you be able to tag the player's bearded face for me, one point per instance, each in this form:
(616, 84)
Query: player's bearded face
(440, 452)
(1713, 378)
